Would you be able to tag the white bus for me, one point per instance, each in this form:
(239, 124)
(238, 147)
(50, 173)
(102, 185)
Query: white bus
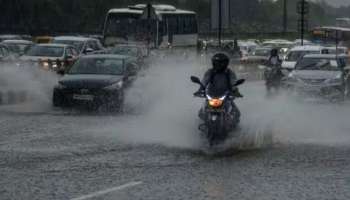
(169, 26)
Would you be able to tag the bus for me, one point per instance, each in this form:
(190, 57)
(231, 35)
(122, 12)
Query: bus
(328, 35)
(168, 26)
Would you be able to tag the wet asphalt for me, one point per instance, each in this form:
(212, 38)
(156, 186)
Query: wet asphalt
(50, 154)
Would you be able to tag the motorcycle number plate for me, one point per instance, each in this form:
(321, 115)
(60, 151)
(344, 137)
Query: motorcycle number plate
(215, 110)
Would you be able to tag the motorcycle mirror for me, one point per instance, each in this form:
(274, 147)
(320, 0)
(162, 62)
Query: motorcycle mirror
(240, 82)
(195, 79)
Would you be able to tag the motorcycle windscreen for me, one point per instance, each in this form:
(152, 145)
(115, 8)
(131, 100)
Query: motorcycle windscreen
(217, 90)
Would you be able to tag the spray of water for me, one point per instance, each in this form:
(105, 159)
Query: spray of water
(34, 83)
(161, 109)
(168, 113)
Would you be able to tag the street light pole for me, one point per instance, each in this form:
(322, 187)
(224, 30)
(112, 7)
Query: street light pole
(220, 22)
(285, 16)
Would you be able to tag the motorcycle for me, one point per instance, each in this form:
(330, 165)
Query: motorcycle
(218, 114)
(273, 78)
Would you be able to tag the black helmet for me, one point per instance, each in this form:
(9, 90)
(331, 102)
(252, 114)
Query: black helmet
(220, 62)
(274, 52)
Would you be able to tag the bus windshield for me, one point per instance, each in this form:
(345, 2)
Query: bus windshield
(129, 27)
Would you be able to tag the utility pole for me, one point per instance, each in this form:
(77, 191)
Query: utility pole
(220, 22)
(285, 16)
(303, 10)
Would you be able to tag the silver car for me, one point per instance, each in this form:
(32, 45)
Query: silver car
(322, 75)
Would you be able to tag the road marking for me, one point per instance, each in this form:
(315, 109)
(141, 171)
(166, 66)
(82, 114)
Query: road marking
(103, 192)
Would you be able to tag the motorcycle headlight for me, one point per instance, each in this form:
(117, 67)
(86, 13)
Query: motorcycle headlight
(215, 103)
(54, 65)
(116, 86)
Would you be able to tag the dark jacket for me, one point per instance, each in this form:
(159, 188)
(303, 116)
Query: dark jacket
(219, 82)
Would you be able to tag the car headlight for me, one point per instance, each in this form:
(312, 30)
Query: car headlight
(116, 86)
(45, 64)
(336, 80)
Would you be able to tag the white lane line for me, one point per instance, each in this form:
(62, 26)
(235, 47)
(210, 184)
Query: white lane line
(103, 192)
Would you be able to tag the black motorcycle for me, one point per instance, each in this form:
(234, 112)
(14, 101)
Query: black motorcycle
(273, 78)
(218, 114)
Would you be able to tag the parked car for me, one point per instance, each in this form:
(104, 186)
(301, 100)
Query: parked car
(96, 80)
(84, 45)
(18, 47)
(57, 57)
(298, 52)
(320, 75)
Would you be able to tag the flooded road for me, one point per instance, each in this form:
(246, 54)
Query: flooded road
(154, 151)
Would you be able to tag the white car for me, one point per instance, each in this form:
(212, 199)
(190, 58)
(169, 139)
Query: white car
(298, 52)
(49, 56)
(84, 45)
(337, 50)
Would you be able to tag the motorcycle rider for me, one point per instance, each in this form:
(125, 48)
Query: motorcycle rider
(274, 59)
(275, 74)
(220, 79)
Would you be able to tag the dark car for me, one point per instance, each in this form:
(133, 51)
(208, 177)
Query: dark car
(96, 80)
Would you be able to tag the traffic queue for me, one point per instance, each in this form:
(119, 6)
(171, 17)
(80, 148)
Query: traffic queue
(110, 70)
(81, 61)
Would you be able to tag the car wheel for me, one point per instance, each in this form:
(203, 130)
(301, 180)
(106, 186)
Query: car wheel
(57, 100)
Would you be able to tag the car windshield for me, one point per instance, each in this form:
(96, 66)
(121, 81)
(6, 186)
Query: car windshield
(46, 51)
(77, 44)
(129, 51)
(262, 52)
(107, 66)
(294, 56)
(337, 51)
(318, 64)
(18, 48)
